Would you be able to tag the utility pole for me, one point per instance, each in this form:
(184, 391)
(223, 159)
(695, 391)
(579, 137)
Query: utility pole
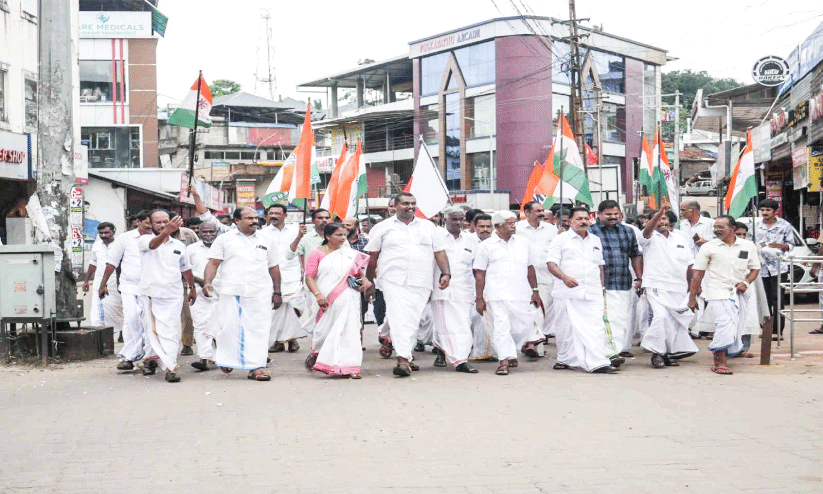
(55, 145)
(677, 145)
(576, 80)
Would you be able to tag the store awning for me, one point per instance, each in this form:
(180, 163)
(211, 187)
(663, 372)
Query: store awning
(749, 106)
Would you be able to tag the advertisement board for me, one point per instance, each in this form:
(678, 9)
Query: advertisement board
(815, 168)
(115, 24)
(211, 196)
(16, 156)
(245, 194)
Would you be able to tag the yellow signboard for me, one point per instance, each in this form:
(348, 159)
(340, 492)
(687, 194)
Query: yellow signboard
(815, 168)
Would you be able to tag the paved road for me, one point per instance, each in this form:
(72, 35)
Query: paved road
(85, 428)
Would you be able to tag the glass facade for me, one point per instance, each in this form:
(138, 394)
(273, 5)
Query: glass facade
(477, 63)
(431, 73)
(431, 120)
(481, 172)
(112, 147)
(612, 70)
(481, 116)
(96, 81)
(452, 136)
(649, 99)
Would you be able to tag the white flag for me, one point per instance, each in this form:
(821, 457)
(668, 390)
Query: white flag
(426, 185)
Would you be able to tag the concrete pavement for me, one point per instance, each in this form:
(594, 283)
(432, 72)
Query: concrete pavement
(85, 428)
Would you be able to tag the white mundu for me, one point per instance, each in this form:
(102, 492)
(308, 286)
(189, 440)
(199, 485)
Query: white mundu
(286, 324)
(404, 274)
(507, 292)
(125, 253)
(245, 293)
(578, 311)
(162, 288)
(666, 260)
(451, 308)
(539, 239)
(203, 310)
(109, 311)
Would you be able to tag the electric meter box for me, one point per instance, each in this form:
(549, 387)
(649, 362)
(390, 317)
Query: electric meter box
(27, 287)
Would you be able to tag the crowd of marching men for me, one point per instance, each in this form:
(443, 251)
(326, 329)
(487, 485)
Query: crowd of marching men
(475, 286)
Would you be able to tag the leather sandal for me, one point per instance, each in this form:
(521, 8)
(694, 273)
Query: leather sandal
(503, 368)
(259, 375)
(402, 370)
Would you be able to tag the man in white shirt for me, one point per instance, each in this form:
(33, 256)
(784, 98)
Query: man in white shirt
(539, 234)
(506, 286)
(725, 266)
(576, 259)
(403, 250)
(667, 261)
(698, 228)
(203, 311)
(451, 308)
(483, 345)
(163, 260)
(109, 310)
(288, 323)
(249, 287)
(125, 253)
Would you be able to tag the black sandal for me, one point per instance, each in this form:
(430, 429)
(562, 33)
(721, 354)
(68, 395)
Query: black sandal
(658, 362)
(402, 370)
(560, 366)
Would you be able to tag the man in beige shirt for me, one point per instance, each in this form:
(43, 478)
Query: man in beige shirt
(725, 266)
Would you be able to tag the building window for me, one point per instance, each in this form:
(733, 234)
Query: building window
(213, 155)
(96, 81)
(480, 116)
(431, 119)
(232, 155)
(477, 63)
(3, 95)
(481, 171)
(247, 156)
(31, 103)
(431, 73)
(611, 70)
(112, 147)
(453, 141)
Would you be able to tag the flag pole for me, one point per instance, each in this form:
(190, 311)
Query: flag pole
(560, 134)
(368, 214)
(659, 153)
(193, 139)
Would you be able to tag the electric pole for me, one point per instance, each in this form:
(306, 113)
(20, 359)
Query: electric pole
(55, 176)
(576, 80)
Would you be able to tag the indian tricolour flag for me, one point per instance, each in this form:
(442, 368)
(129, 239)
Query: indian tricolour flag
(334, 178)
(644, 174)
(279, 188)
(351, 185)
(565, 162)
(183, 116)
(663, 179)
(742, 185)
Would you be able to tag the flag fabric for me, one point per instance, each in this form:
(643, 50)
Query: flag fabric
(565, 162)
(591, 156)
(303, 164)
(662, 180)
(326, 203)
(743, 184)
(646, 169)
(278, 190)
(426, 185)
(183, 116)
(158, 22)
(534, 178)
(351, 185)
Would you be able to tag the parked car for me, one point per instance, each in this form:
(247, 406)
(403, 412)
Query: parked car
(701, 188)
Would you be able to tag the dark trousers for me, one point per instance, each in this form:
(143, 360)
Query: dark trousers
(771, 285)
(379, 306)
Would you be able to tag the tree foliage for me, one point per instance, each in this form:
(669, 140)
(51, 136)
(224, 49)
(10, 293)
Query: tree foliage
(223, 87)
(688, 82)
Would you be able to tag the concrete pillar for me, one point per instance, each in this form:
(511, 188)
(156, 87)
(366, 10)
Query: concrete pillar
(387, 89)
(360, 88)
(333, 101)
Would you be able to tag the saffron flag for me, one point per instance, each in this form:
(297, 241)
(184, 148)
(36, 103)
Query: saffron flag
(663, 180)
(426, 185)
(591, 156)
(183, 116)
(326, 203)
(304, 154)
(351, 185)
(565, 162)
(278, 190)
(742, 185)
(534, 178)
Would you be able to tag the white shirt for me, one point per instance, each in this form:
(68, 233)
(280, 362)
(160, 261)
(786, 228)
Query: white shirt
(197, 255)
(725, 266)
(289, 266)
(539, 239)
(579, 258)
(246, 260)
(161, 267)
(125, 253)
(666, 260)
(507, 267)
(406, 251)
(461, 251)
(704, 227)
(98, 259)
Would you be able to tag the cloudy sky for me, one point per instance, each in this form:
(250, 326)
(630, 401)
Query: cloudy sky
(314, 38)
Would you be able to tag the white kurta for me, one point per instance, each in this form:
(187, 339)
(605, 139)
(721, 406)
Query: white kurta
(203, 310)
(109, 311)
(286, 322)
(539, 239)
(125, 253)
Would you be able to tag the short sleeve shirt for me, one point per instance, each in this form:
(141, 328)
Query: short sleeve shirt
(725, 266)
(289, 267)
(507, 267)
(666, 260)
(246, 259)
(704, 228)
(539, 239)
(99, 255)
(406, 251)
(125, 253)
(161, 267)
(579, 258)
(619, 247)
(460, 252)
(780, 232)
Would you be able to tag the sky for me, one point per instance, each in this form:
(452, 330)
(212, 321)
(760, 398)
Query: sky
(316, 38)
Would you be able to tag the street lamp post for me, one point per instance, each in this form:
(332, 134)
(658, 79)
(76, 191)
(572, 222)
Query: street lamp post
(491, 154)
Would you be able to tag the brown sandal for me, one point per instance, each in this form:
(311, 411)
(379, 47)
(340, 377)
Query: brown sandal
(259, 375)
(722, 370)
(503, 369)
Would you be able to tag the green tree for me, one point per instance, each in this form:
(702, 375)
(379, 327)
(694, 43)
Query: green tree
(688, 82)
(317, 104)
(223, 87)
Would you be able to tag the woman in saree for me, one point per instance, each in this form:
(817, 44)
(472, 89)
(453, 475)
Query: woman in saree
(335, 274)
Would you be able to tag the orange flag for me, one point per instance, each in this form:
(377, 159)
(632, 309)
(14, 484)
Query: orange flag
(534, 179)
(302, 168)
(331, 191)
(348, 174)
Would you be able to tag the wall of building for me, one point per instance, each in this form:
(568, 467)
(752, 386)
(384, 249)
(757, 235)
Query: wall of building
(143, 95)
(105, 203)
(633, 123)
(524, 109)
(18, 62)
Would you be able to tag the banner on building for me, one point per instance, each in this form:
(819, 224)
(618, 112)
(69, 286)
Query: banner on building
(774, 190)
(815, 169)
(211, 196)
(245, 194)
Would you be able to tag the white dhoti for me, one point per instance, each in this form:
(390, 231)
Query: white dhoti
(339, 351)
(161, 318)
(513, 325)
(639, 319)
(203, 317)
(581, 333)
(384, 331)
(703, 320)
(133, 347)
(729, 321)
(545, 316)
(616, 318)
(286, 322)
(109, 311)
(668, 333)
(452, 329)
(425, 332)
(758, 308)
(404, 310)
(243, 330)
(482, 345)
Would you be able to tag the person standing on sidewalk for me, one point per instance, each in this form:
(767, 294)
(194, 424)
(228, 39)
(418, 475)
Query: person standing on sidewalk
(108, 310)
(775, 237)
(725, 267)
(203, 310)
(161, 288)
(249, 288)
(621, 253)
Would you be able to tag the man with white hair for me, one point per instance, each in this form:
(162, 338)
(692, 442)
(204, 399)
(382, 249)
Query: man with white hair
(576, 260)
(506, 286)
(451, 308)
(403, 251)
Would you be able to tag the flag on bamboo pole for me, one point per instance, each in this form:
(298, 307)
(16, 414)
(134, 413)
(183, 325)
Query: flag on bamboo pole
(183, 116)
(646, 169)
(304, 154)
(742, 185)
(326, 203)
(278, 190)
(351, 185)
(662, 178)
(426, 185)
(565, 162)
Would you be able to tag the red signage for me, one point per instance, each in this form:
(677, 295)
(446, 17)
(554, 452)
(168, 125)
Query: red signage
(11, 156)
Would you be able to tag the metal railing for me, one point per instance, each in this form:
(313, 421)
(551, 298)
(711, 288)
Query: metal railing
(793, 287)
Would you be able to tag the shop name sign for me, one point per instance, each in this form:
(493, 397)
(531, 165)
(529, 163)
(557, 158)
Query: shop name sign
(816, 106)
(779, 120)
(770, 71)
(800, 112)
(14, 155)
(450, 40)
(115, 25)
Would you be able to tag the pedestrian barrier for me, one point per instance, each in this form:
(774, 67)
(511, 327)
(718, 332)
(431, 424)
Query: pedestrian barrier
(792, 287)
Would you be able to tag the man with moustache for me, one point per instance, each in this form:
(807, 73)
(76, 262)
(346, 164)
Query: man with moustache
(483, 346)
(203, 309)
(108, 310)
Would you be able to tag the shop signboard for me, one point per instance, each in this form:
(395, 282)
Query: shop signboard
(770, 71)
(816, 106)
(778, 120)
(798, 113)
(774, 190)
(800, 167)
(800, 156)
(76, 225)
(815, 169)
(81, 165)
(762, 143)
(245, 194)
(16, 156)
(779, 140)
(115, 25)
(210, 195)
